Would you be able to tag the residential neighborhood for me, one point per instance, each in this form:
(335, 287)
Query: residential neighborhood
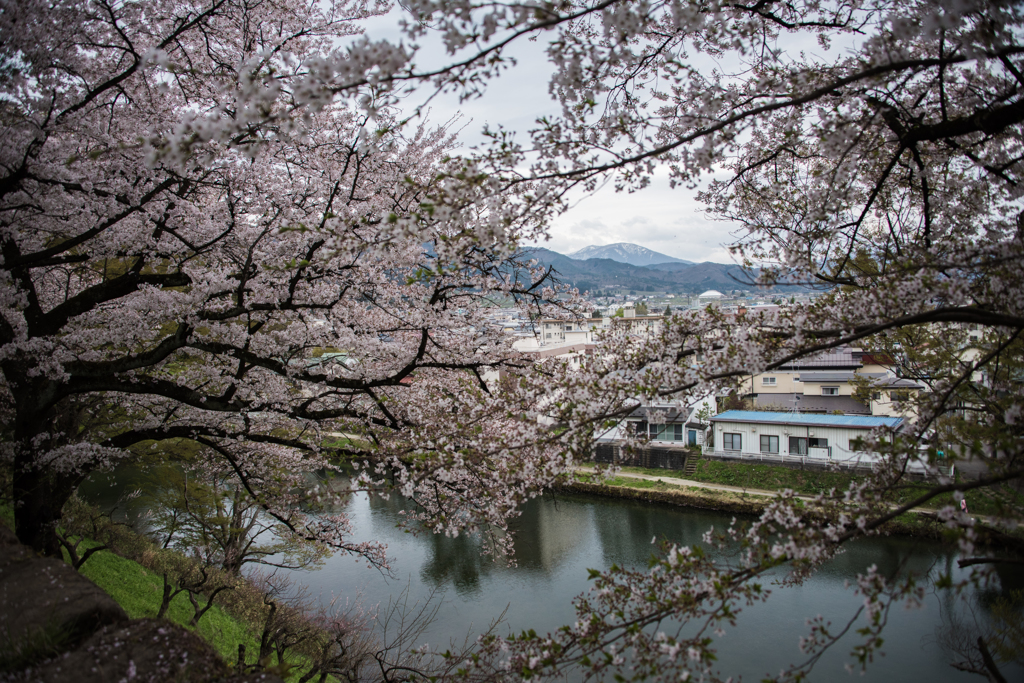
(813, 411)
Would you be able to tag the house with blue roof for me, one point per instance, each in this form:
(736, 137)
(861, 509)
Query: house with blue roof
(790, 436)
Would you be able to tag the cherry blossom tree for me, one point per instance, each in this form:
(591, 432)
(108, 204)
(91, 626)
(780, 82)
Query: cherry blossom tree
(182, 262)
(215, 227)
(870, 147)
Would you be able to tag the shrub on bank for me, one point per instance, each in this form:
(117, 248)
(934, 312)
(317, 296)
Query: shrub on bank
(257, 623)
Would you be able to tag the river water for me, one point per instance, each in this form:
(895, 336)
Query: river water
(559, 537)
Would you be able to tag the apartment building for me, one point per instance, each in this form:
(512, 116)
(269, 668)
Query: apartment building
(845, 380)
(555, 332)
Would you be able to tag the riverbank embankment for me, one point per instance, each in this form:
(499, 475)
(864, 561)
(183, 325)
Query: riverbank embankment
(676, 491)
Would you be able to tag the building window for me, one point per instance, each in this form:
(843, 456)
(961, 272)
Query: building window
(547, 326)
(768, 381)
(897, 396)
(669, 432)
(797, 445)
(732, 442)
(547, 336)
(769, 444)
(830, 391)
(817, 443)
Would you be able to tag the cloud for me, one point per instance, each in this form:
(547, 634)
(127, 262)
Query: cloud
(667, 220)
(659, 217)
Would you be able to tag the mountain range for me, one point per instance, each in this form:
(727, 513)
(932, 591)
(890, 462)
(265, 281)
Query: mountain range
(676, 276)
(624, 252)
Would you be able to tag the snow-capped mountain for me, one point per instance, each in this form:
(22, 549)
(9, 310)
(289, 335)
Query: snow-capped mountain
(624, 252)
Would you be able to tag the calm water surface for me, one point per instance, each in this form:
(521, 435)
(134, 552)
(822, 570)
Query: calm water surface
(559, 538)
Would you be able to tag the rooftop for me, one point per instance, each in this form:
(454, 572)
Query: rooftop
(803, 419)
(815, 377)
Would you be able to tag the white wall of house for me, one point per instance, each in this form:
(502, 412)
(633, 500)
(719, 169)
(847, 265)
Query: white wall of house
(774, 383)
(882, 403)
(838, 440)
(817, 388)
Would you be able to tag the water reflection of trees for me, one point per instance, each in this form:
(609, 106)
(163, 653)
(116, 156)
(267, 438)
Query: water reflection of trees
(458, 560)
(626, 529)
(547, 533)
(890, 556)
(550, 530)
(391, 509)
(983, 633)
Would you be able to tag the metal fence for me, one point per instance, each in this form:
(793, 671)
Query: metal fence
(787, 459)
(651, 457)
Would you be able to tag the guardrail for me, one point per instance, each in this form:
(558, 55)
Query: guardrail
(764, 457)
(784, 458)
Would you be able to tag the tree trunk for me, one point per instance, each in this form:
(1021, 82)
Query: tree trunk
(38, 503)
(40, 493)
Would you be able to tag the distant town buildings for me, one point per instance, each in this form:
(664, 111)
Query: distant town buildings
(816, 409)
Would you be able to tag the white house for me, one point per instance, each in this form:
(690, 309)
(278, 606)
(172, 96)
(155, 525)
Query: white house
(795, 436)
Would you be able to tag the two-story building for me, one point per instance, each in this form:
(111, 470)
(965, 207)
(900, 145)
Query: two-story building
(845, 380)
(555, 332)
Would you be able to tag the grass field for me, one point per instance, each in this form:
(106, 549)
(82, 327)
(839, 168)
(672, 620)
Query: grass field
(139, 592)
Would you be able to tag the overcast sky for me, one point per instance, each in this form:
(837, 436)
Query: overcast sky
(666, 220)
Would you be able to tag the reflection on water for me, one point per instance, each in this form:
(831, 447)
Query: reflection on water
(548, 533)
(559, 538)
(457, 562)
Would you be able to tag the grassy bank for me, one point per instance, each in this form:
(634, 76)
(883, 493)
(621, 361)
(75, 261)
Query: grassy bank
(762, 477)
(758, 476)
(807, 482)
(236, 618)
(139, 591)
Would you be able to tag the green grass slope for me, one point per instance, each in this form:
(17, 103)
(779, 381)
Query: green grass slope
(139, 591)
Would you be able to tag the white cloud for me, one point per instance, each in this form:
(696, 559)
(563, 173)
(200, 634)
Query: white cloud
(658, 217)
(667, 220)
